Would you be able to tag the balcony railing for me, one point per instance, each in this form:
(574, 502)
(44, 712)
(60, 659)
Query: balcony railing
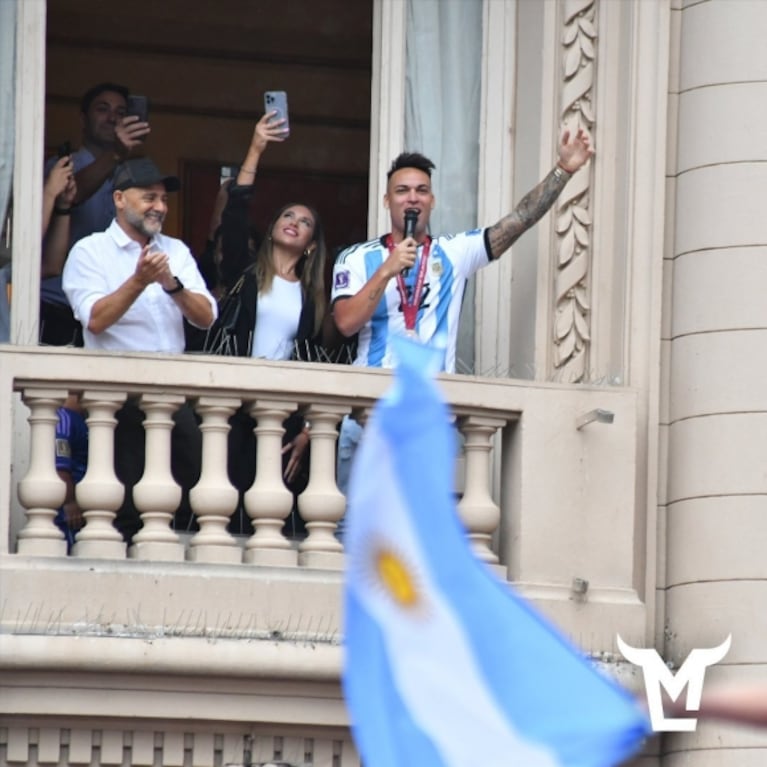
(546, 495)
(165, 631)
(215, 388)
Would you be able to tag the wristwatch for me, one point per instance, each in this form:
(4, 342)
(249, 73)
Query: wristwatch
(179, 287)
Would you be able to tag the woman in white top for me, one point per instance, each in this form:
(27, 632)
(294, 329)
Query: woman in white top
(276, 305)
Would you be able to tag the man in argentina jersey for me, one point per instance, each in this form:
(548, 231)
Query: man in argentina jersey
(414, 284)
(452, 259)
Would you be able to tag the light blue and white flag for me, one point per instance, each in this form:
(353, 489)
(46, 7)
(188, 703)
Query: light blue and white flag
(445, 665)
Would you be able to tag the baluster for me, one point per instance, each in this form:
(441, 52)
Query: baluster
(322, 504)
(268, 501)
(477, 509)
(214, 498)
(156, 495)
(42, 491)
(100, 493)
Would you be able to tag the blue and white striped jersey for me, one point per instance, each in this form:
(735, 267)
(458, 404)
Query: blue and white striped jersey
(452, 260)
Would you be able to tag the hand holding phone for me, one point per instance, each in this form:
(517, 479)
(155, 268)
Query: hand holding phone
(138, 106)
(277, 101)
(64, 150)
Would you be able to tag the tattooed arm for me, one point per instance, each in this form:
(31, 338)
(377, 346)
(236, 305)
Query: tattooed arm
(573, 152)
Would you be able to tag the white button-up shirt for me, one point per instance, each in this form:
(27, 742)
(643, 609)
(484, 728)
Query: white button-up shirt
(99, 264)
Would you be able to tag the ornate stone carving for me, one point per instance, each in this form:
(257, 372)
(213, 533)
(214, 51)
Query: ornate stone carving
(573, 217)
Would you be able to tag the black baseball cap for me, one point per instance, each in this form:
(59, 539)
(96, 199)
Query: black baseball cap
(141, 172)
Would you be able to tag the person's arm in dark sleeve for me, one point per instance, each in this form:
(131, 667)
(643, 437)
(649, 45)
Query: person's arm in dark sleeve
(235, 253)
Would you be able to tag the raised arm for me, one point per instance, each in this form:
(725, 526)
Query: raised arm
(129, 133)
(267, 129)
(58, 195)
(574, 151)
(235, 230)
(60, 180)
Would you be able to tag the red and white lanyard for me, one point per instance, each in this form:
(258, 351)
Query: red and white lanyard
(410, 308)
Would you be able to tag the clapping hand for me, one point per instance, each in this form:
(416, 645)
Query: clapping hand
(152, 267)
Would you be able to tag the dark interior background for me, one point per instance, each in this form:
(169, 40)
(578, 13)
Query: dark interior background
(205, 67)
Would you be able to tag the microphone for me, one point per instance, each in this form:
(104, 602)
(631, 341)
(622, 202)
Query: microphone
(411, 219)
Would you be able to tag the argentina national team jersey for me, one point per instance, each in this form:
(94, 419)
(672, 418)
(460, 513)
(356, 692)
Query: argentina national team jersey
(452, 260)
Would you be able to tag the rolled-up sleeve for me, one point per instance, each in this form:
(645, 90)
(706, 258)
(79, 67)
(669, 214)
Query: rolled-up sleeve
(188, 272)
(83, 282)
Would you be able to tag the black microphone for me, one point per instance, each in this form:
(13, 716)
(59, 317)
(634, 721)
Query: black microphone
(411, 219)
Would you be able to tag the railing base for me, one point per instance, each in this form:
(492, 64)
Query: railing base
(322, 560)
(99, 549)
(228, 555)
(40, 547)
(157, 551)
(274, 557)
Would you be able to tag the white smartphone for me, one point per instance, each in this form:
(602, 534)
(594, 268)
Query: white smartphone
(278, 101)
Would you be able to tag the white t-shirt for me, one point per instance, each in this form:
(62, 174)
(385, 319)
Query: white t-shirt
(277, 316)
(452, 260)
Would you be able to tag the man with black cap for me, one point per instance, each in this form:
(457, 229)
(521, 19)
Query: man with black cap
(131, 286)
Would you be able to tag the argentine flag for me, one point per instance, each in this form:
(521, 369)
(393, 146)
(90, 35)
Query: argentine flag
(445, 665)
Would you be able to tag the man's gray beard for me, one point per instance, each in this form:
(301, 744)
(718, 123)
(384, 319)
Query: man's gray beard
(138, 222)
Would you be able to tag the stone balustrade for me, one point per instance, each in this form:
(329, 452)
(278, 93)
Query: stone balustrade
(212, 387)
(547, 493)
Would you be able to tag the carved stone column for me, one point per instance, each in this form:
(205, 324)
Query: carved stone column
(322, 504)
(572, 333)
(156, 495)
(478, 511)
(214, 498)
(268, 501)
(42, 491)
(100, 493)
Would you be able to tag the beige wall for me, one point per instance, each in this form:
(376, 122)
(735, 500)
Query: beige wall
(715, 331)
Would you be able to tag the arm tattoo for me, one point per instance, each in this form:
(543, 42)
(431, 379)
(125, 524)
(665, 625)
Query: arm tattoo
(529, 210)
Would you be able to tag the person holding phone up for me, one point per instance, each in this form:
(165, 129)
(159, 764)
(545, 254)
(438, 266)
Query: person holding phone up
(109, 136)
(282, 302)
(59, 193)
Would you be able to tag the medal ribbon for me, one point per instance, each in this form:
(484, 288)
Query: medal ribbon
(410, 308)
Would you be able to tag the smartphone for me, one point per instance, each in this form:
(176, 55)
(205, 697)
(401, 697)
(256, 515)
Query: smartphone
(64, 150)
(139, 106)
(278, 100)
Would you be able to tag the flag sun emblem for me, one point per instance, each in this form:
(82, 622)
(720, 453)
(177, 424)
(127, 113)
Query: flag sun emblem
(397, 578)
